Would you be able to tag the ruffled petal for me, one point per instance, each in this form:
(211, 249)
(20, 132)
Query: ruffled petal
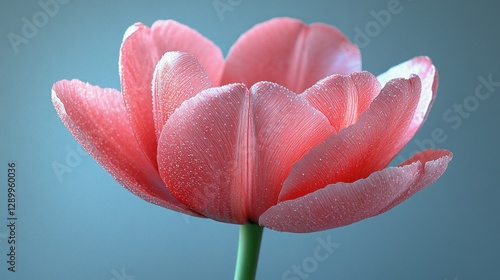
(343, 98)
(360, 149)
(342, 204)
(423, 67)
(141, 49)
(97, 118)
(290, 53)
(178, 76)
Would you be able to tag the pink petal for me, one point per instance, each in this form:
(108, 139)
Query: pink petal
(169, 35)
(360, 149)
(423, 67)
(178, 76)
(141, 49)
(342, 99)
(286, 129)
(434, 169)
(290, 53)
(98, 120)
(342, 204)
(226, 152)
(197, 149)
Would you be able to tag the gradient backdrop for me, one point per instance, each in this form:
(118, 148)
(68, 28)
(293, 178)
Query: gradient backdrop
(83, 225)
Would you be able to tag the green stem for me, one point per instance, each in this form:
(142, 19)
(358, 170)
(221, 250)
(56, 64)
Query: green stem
(248, 252)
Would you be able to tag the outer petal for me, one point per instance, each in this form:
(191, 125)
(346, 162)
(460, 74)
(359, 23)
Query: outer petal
(141, 49)
(290, 53)
(343, 98)
(227, 151)
(197, 150)
(178, 76)
(342, 204)
(97, 119)
(360, 149)
(423, 67)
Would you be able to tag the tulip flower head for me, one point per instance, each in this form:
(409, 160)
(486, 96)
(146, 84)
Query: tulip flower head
(286, 132)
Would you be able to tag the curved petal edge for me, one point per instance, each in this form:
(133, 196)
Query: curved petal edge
(423, 67)
(342, 204)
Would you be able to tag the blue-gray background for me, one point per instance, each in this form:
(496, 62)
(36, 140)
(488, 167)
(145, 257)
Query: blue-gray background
(83, 225)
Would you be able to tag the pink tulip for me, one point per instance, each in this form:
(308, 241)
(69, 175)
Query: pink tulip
(286, 133)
